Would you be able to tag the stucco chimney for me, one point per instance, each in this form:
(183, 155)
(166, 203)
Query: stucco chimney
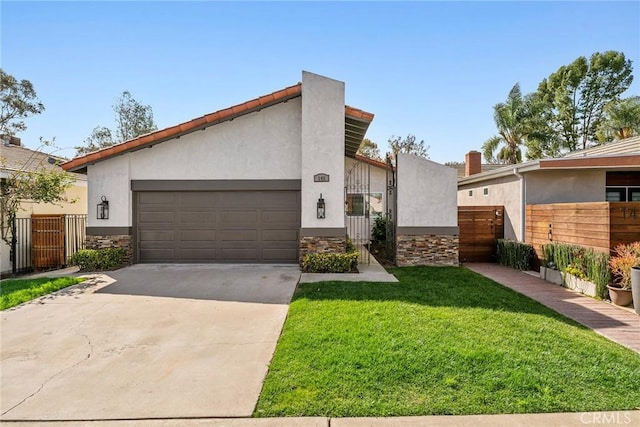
(472, 163)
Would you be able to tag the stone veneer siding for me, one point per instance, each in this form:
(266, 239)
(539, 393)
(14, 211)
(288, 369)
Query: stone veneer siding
(321, 245)
(116, 241)
(429, 249)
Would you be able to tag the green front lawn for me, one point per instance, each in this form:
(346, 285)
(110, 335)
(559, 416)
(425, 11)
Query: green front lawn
(17, 291)
(442, 341)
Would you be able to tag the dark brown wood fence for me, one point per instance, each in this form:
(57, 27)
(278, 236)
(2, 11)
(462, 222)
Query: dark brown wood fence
(47, 241)
(480, 228)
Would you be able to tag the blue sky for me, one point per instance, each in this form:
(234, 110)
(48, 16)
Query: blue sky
(433, 69)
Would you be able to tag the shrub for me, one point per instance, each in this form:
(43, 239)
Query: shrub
(349, 246)
(626, 256)
(581, 262)
(330, 263)
(99, 259)
(515, 254)
(379, 231)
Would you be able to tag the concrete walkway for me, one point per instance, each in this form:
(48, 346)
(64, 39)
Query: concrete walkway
(615, 323)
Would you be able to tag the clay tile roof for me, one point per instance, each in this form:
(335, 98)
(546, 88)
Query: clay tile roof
(201, 122)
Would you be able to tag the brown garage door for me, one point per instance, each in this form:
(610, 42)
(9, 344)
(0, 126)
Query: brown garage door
(217, 226)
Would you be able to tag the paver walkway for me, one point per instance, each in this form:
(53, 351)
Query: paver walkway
(615, 323)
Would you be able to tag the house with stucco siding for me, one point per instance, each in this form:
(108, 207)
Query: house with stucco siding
(267, 181)
(607, 173)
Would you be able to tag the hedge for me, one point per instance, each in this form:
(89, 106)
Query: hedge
(515, 254)
(330, 263)
(99, 259)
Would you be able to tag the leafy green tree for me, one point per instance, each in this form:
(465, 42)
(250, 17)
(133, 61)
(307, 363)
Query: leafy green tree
(369, 149)
(519, 125)
(18, 100)
(132, 120)
(29, 184)
(621, 120)
(408, 145)
(575, 96)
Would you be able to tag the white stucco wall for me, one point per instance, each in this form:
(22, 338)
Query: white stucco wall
(503, 191)
(110, 179)
(322, 144)
(259, 145)
(426, 193)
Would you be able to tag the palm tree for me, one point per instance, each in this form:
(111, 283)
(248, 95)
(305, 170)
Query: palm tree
(511, 120)
(622, 120)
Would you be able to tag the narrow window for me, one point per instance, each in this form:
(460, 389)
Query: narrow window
(470, 193)
(485, 191)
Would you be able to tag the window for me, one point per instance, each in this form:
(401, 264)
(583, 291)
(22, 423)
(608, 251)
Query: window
(485, 191)
(622, 194)
(470, 193)
(362, 204)
(616, 195)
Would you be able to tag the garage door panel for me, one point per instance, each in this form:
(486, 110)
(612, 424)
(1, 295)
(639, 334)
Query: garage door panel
(238, 235)
(218, 226)
(157, 198)
(279, 217)
(157, 235)
(202, 200)
(155, 217)
(197, 218)
(197, 235)
(282, 199)
(280, 235)
(238, 217)
(239, 199)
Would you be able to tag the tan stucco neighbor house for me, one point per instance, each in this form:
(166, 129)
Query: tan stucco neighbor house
(265, 181)
(609, 172)
(14, 157)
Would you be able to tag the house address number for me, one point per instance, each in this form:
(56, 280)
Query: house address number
(321, 177)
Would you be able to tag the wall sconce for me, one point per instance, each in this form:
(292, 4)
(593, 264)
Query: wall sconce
(321, 210)
(103, 209)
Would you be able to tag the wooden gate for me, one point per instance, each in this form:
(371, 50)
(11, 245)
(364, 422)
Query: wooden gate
(480, 228)
(47, 241)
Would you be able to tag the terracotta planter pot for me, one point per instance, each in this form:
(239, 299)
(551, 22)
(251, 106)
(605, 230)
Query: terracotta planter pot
(635, 288)
(621, 297)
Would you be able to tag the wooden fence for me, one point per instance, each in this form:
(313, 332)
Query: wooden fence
(480, 228)
(598, 225)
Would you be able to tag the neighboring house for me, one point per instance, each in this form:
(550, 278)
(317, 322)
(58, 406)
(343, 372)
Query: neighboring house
(266, 181)
(606, 173)
(14, 157)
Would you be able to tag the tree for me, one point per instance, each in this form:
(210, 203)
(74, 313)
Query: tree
(18, 101)
(621, 120)
(519, 124)
(369, 149)
(132, 120)
(408, 145)
(576, 95)
(29, 184)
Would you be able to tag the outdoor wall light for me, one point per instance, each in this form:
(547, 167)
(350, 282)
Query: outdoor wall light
(103, 209)
(321, 211)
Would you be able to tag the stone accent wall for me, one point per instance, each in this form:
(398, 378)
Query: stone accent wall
(323, 245)
(117, 241)
(430, 249)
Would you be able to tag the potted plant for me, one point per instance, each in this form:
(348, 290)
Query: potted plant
(626, 257)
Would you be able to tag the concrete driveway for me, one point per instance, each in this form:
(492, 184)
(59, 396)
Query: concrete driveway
(147, 341)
